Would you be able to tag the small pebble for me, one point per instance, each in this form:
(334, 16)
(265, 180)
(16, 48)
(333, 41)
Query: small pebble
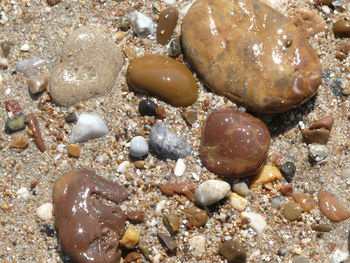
(166, 145)
(255, 221)
(171, 189)
(166, 24)
(19, 142)
(22, 192)
(15, 124)
(73, 150)
(196, 217)
(12, 107)
(197, 243)
(139, 164)
(123, 23)
(325, 122)
(33, 125)
(172, 222)
(44, 212)
(325, 2)
(318, 152)
(38, 84)
(345, 173)
(53, 2)
(71, 118)
(25, 47)
(288, 170)
(211, 191)
(6, 48)
(123, 167)
(339, 256)
(305, 201)
(168, 242)
(321, 227)
(276, 202)
(141, 24)
(316, 136)
(3, 62)
(300, 259)
(190, 117)
(292, 211)
(180, 167)
(267, 174)
(161, 112)
(89, 126)
(169, 2)
(238, 202)
(147, 108)
(138, 147)
(136, 217)
(175, 48)
(241, 189)
(233, 252)
(331, 208)
(341, 28)
(287, 190)
(30, 66)
(133, 257)
(130, 238)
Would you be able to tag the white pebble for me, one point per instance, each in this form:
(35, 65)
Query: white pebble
(123, 167)
(169, 2)
(256, 221)
(61, 148)
(339, 256)
(161, 206)
(180, 167)
(3, 63)
(44, 211)
(141, 24)
(195, 176)
(22, 192)
(197, 243)
(89, 126)
(138, 146)
(326, 9)
(25, 47)
(318, 152)
(211, 191)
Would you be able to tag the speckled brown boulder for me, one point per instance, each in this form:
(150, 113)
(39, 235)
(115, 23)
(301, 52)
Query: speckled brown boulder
(251, 54)
(234, 143)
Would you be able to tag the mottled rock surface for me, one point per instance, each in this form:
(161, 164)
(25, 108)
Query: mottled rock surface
(226, 43)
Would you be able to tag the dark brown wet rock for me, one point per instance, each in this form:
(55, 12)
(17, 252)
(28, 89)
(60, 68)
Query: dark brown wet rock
(233, 252)
(136, 217)
(341, 28)
(234, 143)
(325, 122)
(233, 56)
(343, 51)
(89, 230)
(196, 217)
(316, 136)
(164, 78)
(53, 2)
(186, 189)
(166, 24)
(168, 242)
(331, 208)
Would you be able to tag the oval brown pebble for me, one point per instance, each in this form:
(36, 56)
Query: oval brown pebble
(234, 143)
(331, 208)
(233, 252)
(292, 211)
(226, 43)
(163, 77)
(321, 227)
(166, 24)
(305, 201)
(341, 28)
(196, 217)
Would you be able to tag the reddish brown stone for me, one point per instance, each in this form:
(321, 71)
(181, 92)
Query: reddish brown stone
(133, 257)
(12, 106)
(136, 217)
(234, 143)
(234, 57)
(166, 24)
(315, 136)
(190, 117)
(185, 189)
(161, 112)
(287, 190)
(33, 125)
(305, 201)
(53, 2)
(325, 122)
(196, 217)
(331, 208)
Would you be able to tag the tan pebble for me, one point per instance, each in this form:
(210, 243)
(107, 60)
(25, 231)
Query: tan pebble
(139, 164)
(292, 211)
(119, 35)
(38, 84)
(3, 62)
(161, 112)
(166, 24)
(19, 142)
(133, 257)
(321, 227)
(196, 216)
(331, 208)
(129, 52)
(325, 122)
(172, 222)
(238, 202)
(305, 201)
(73, 150)
(266, 175)
(130, 238)
(315, 136)
(341, 28)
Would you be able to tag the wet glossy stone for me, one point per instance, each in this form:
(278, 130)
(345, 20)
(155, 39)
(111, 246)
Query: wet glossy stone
(316, 136)
(341, 28)
(163, 77)
(234, 143)
(321, 227)
(325, 122)
(305, 201)
(88, 230)
(147, 108)
(166, 23)
(331, 208)
(292, 211)
(89, 64)
(226, 43)
(288, 170)
(38, 84)
(233, 252)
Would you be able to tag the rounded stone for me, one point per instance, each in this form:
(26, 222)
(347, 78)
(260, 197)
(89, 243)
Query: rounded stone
(147, 108)
(288, 171)
(292, 211)
(211, 191)
(163, 77)
(233, 252)
(166, 24)
(251, 54)
(341, 28)
(89, 64)
(234, 143)
(138, 147)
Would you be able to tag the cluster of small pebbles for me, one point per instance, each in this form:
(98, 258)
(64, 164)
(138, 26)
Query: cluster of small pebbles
(174, 131)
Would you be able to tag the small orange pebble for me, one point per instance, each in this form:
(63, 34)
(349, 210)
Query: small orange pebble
(73, 150)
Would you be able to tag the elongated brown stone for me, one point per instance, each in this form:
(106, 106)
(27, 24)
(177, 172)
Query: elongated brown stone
(166, 24)
(33, 125)
(325, 122)
(331, 208)
(163, 77)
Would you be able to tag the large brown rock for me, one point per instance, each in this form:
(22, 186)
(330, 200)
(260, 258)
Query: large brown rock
(251, 54)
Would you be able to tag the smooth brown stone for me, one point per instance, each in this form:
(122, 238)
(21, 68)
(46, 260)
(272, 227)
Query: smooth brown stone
(6, 48)
(172, 222)
(321, 227)
(292, 211)
(226, 43)
(168, 242)
(341, 28)
(234, 143)
(33, 125)
(315, 136)
(233, 252)
(163, 77)
(185, 189)
(331, 208)
(305, 201)
(325, 2)
(53, 2)
(38, 84)
(325, 122)
(287, 190)
(196, 217)
(136, 217)
(88, 228)
(166, 24)
(133, 257)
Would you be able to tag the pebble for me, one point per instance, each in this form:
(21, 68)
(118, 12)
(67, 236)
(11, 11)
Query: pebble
(238, 202)
(168, 242)
(169, 2)
(315, 136)
(89, 64)
(136, 217)
(133, 257)
(22, 193)
(241, 189)
(138, 147)
(305, 201)
(180, 167)
(318, 152)
(4, 63)
(12, 107)
(196, 217)
(234, 143)
(331, 208)
(89, 126)
(325, 122)
(233, 252)
(131, 237)
(172, 222)
(339, 256)
(276, 201)
(15, 124)
(267, 174)
(341, 28)
(190, 117)
(292, 211)
(321, 227)
(211, 191)
(53, 2)
(123, 167)
(25, 47)
(300, 259)
(287, 190)
(170, 189)
(45, 211)
(255, 221)
(19, 142)
(197, 243)
(166, 145)
(345, 173)
(326, 9)
(6, 48)
(30, 66)
(73, 150)
(288, 170)
(326, 2)
(71, 118)
(175, 48)
(166, 24)
(163, 77)
(38, 84)
(245, 69)
(161, 112)
(141, 24)
(147, 108)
